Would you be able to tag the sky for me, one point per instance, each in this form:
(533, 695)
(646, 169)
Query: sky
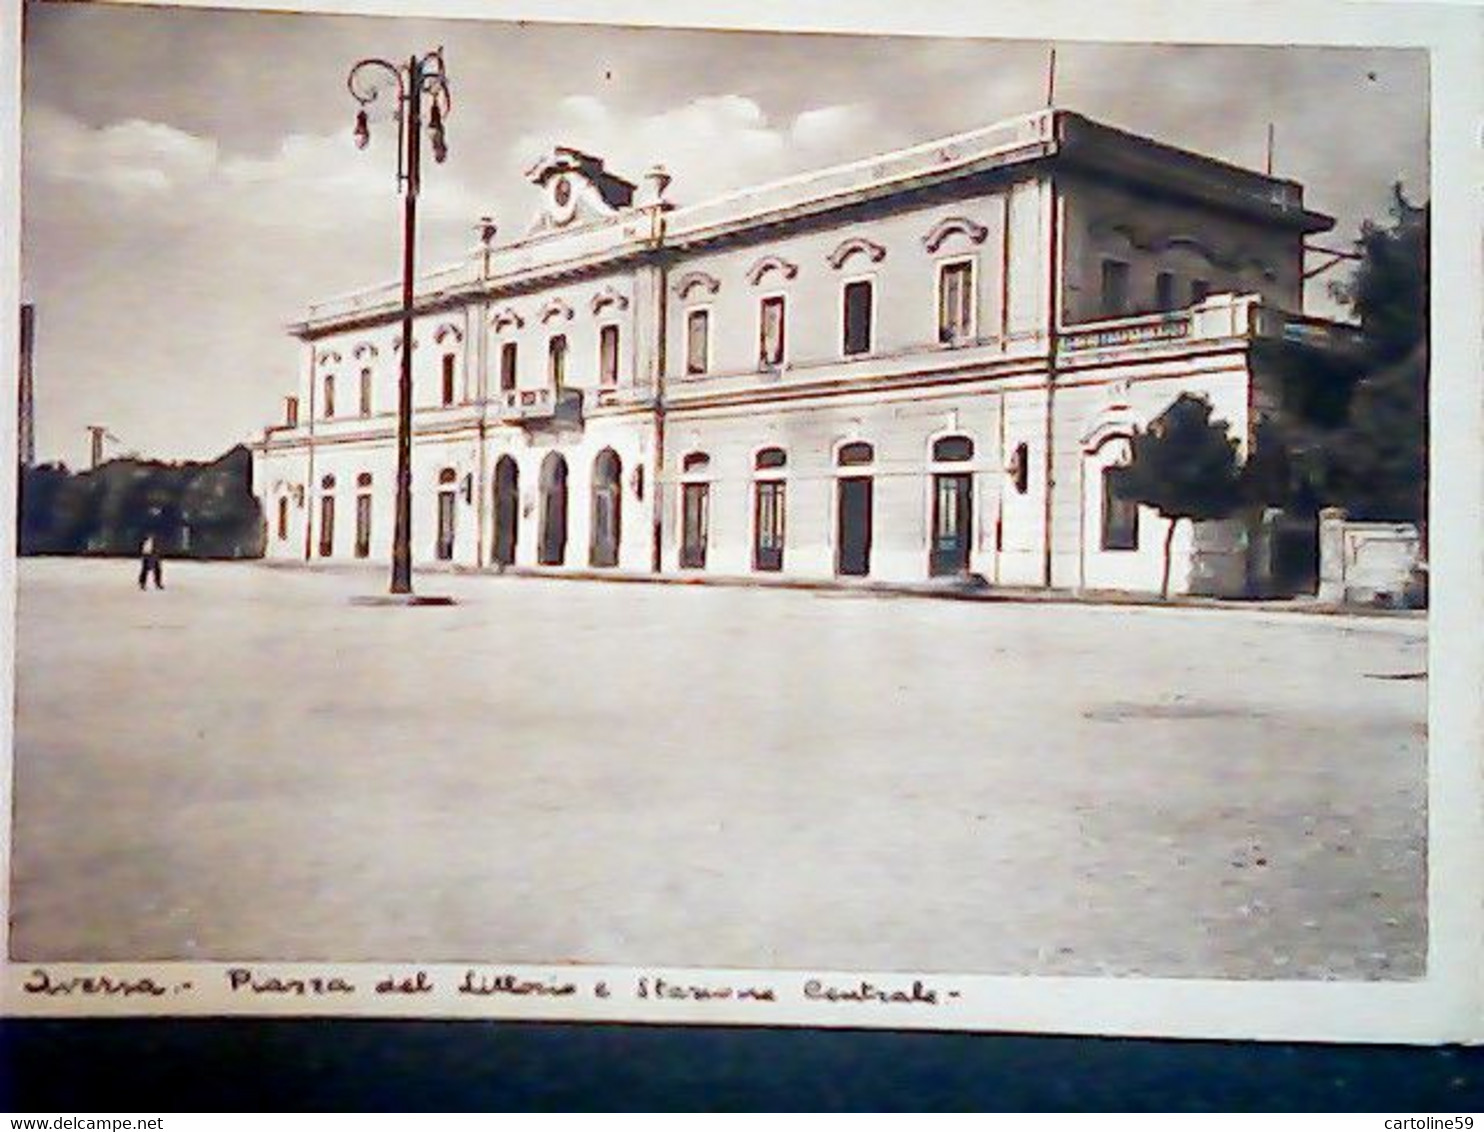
(189, 182)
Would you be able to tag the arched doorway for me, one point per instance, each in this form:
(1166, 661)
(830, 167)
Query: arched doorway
(607, 509)
(553, 549)
(953, 506)
(507, 511)
(853, 508)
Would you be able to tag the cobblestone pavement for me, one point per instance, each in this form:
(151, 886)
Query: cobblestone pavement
(247, 766)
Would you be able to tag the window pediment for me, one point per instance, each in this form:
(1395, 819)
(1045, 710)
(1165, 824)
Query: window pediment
(554, 309)
(769, 263)
(609, 297)
(853, 246)
(692, 280)
(950, 226)
(506, 317)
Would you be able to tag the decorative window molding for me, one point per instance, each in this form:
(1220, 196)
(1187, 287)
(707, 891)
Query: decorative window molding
(397, 342)
(553, 309)
(330, 356)
(693, 279)
(447, 330)
(769, 263)
(506, 316)
(364, 350)
(854, 454)
(938, 234)
(609, 296)
(872, 251)
(1116, 422)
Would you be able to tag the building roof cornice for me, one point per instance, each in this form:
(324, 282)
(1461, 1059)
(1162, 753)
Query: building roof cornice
(1056, 138)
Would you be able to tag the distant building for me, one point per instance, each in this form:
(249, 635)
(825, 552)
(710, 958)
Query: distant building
(919, 364)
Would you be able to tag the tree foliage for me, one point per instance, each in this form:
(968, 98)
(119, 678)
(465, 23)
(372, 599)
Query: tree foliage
(1185, 466)
(1354, 422)
(202, 509)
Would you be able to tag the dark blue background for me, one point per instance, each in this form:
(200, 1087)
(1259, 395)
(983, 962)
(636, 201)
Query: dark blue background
(213, 1065)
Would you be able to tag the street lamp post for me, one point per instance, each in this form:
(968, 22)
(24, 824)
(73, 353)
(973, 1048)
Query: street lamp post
(412, 81)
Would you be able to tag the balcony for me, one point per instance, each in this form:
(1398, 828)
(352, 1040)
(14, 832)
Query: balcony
(541, 408)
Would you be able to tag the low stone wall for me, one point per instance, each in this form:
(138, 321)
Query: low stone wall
(1370, 563)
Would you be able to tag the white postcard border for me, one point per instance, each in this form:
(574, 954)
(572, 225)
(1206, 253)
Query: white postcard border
(1445, 1005)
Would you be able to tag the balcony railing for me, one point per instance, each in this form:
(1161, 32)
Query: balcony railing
(536, 407)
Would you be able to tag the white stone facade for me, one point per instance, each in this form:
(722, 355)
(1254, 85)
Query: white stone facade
(957, 365)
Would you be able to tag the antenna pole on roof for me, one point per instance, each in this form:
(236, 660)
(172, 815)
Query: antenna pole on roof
(1051, 79)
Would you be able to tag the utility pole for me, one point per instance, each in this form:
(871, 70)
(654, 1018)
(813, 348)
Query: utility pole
(419, 77)
(96, 435)
(26, 393)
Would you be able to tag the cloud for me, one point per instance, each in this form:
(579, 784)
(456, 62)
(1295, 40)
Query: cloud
(309, 181)
(712, 144)
(132, 157)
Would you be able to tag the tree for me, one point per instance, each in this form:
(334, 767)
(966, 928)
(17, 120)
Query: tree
(1380, 457)
(1185, 466)
(1353, 419)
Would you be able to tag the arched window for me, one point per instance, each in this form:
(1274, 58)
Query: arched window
(327, 517)
(695, 462)
(770, 458)
(952, 449)
(447, 498)
(363, 515)
(283, 517)
(854, 454)
(769, 505)
(329, 395)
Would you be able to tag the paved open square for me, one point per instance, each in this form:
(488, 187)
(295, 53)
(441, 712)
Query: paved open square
(246, 765)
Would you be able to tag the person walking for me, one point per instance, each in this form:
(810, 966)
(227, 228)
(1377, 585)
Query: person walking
(149, 562)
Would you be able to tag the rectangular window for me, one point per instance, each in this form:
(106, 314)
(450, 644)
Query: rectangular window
(556, 361)
(283, 518)
(608, 355)
(329, 396)
(507, 367)
(363, 525)
(1200, 289)
(446, 500)
(1120, 517)
(365, 393)
(291, 412)
(956, 302)
(326, 526)
(697, 341)
(857, 336)
(695, 500)
(1164, 291)
(448, 368)
(1115, 288)
(770, 332)
(767, 550)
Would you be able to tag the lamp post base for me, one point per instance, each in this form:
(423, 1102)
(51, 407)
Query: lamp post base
(401, 599)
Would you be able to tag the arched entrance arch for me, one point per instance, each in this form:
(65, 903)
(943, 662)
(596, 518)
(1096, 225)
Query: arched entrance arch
(507, 511)
(553, 548)
(607, 509)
